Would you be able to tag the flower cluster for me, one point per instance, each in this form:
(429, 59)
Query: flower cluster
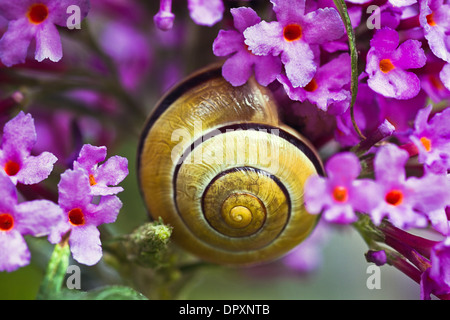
(77, 213)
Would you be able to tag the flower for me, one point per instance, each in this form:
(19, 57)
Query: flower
(110, 173)
(387, 62)
(444, 75)
(339, 195)
(432, 139)
(239, 67)
(82, 217)
(436, 279)
(34, 218)
(19, 137)
(203, 12)
(35, 19)
(295, 37)
(329, 89)
(405, 200)
(434, 17)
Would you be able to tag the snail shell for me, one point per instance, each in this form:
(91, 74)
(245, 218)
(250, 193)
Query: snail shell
(216, 163)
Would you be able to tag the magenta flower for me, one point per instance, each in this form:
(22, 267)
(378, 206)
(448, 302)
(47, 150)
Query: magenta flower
(240, 65)
(19, 138)
(203, 12)
(387, 63)
(432, 139)
(436, 279)
(444, 75)
(102, 177)
(35, 19)
(82, 217)
(339, 196)
(34, 218)
(295, 37)
(329, 89)
(405, 201)
(434, 18)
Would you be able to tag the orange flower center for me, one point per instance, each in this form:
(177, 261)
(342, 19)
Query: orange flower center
(76, 217)
(311, 86)
(37, 13)
(6, 222)
(340, 194)
(292, 32)
(394, 197)
(426, 143)
(11, 168)
(92, 181)
(430, 20)
(386, 65)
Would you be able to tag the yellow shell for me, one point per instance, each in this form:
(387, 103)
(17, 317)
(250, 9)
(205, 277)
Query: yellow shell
(215, 163)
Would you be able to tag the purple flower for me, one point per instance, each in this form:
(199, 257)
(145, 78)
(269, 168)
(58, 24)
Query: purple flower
(404, 200)
(434, 18)
(436, 279)
(110, 173)
(294, 36)
(34, 218)
(82, 217)
(444, 75)
(35, 19)
(203, 12)
(329, 89)
(19, 137)
(339, 195)
(387, 63)
(432, 139)
(239, 67)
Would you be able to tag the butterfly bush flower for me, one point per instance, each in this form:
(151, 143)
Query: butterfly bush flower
(436, 279)
(387, 62)
(239, 66)
(295, 36)
(444, 75)
(432, 139)
(82, 217)
(340, 194)
(35, 19)
(203, 12)
(19, 138)
(102, 178)
(434, 18)
(329, 89)
(405, 201)
(35, 218)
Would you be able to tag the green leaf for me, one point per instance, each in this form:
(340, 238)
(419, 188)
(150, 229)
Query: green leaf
(342, 8)
(56, 272)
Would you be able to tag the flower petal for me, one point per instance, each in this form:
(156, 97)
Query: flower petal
(390, 163)
(14, 252)
(444, 75)
(35, 169)
(48, 43)
(74, 189)
(244, 17)
(8, 195)
(409, 55)
(265, 38)
(397, 83)
(267, 68)
(238, 68)
(112, 171)
(330, 27)
(289, 10)
(206, 12)
(85, 244)
(37, 217)
(89, 157)
(298, 60)
(106, 211)
(228, 42)
(15, 42)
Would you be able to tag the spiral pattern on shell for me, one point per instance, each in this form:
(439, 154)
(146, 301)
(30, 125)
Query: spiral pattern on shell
(216, 163)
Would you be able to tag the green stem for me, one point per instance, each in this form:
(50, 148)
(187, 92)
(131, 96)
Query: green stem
(56, 271)
(342, 8)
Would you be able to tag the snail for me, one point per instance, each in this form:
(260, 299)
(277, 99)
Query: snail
(216, 163)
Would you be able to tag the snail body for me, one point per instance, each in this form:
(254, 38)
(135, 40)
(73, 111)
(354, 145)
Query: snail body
(216, 163)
